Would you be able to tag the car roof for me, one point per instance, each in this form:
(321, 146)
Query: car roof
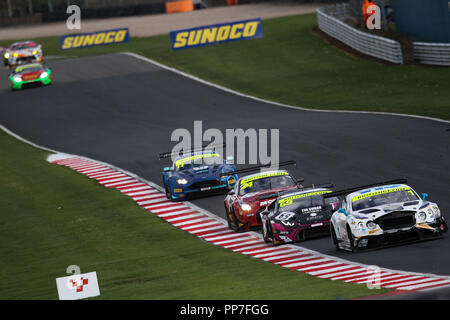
(367, 190)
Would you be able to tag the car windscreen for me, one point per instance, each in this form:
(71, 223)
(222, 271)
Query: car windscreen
(297, 203)
(197, 161)
(383, 197)
(268, 183)
(27, 70)
(22, 47)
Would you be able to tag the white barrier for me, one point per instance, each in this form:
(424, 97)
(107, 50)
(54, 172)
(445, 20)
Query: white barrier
(432, 53)
(375, 46)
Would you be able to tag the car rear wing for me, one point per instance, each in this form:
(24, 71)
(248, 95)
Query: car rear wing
(344, 192)
(165, 155)
(257, 168)
(282, 193)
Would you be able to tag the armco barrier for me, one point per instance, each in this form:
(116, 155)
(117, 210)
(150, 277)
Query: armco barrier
(432, 53)
(328, 19)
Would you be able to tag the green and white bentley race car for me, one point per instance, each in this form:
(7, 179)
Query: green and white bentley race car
(381, 214)
(30, 75)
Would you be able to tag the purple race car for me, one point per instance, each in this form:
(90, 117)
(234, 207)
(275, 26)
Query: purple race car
(298, 215)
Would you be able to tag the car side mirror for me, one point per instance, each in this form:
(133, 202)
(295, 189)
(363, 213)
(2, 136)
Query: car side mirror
(231, 192)
(342, 210)
(424, 196)
(166, 169)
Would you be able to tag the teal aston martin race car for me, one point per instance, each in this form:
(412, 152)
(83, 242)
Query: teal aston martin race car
(197, 173)
(30, 75)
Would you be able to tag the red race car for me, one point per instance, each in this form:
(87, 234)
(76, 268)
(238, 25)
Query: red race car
(253, 193)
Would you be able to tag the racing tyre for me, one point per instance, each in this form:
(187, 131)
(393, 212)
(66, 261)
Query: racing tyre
(167, 190)
(232, 221)
(334, 238)
(351, 240)
(269, 230)
(228, 217)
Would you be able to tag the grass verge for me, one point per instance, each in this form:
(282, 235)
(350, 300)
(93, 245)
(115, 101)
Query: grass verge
(294, 65)
(53, 217)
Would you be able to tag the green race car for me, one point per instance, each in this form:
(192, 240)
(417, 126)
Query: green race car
(30, 75)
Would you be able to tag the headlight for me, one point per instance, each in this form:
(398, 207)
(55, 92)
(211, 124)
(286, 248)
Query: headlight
(182, 181)
(44, 75)
(35, 52)
(422, 216)
(17, 79)
(246, 207)
(371, 225)
(437, 212)
(15, 54)
(6, 55)
(360, 225)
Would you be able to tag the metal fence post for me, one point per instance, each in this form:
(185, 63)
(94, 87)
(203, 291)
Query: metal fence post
(10, 13)
(30, 7)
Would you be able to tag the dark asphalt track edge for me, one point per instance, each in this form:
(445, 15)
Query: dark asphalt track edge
(126, 117)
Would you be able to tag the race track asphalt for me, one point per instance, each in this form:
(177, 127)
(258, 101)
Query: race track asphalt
(122, 110)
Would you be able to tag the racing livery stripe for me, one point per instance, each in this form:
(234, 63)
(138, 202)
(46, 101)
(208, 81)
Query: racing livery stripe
(214, 230)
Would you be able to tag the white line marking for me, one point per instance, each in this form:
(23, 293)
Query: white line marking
(168, 214)
(285, 256)
(350, 276)
(191, 221)
(187, 216)
(351, 269)
(232, 235)
(273, 102)
(414, 287)
(296, 259)
(139, 193)
(199, 225)
(209, 229)
(319, 266)
(242, 238)
(306, 262)
(316, 273)
(126, 190)
(273, 253)
(166, 209)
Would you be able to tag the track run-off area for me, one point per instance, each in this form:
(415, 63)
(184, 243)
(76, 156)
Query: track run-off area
(121, 109)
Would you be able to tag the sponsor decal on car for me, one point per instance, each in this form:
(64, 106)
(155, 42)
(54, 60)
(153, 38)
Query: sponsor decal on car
(218, 33)
(91, 39)
(312, 209)
(375, 193)
(288, 200)
(266, 202)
